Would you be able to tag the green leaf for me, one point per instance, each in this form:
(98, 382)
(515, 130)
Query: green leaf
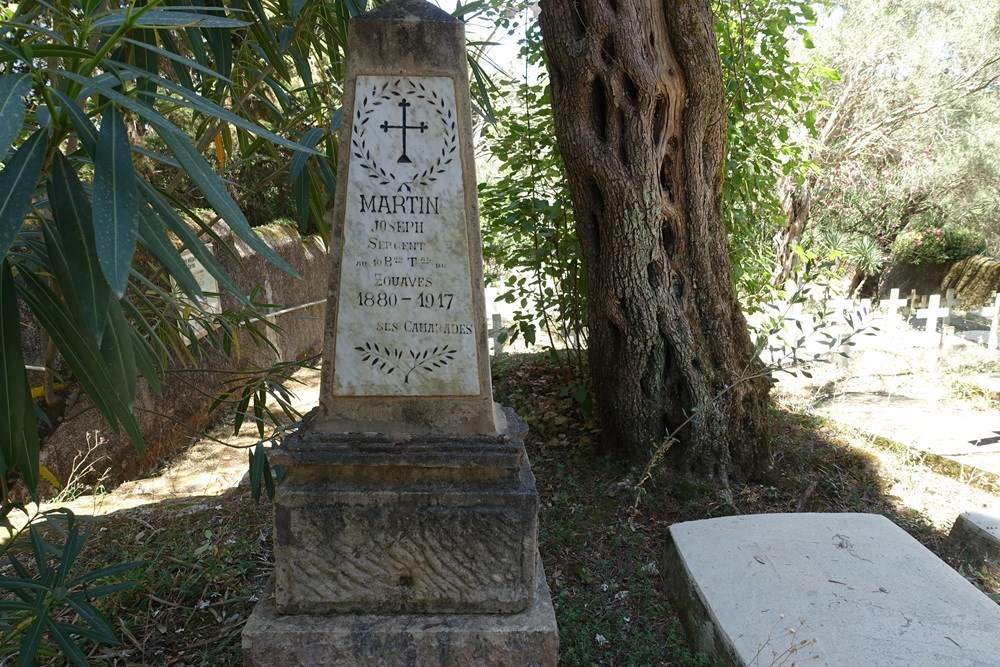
(154, 238)
(14, 605)
(17, 186)
(71, 550)
(116, 211)
(116, 348)
(302, 189)
(13, 89)
(107, 86)
(309, 139)
(94, 619)
(72, 214)
(179, 59)
(147, 61)
(32, 638)
(104, 572)
(179, 70)
(200, 172)
(79, 351)
(66, 644)
(211, 187)
(165, 18)
(146, 360)
(191, 241)
(85, 129)
(18, 435)
(196, 102)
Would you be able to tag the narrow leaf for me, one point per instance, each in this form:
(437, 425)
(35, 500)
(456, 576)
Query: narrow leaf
(154, 238)
(18, 435)
(79, 351)
(17, 185)
(191, 241)
(190, 99)
(116, 212)
(85, 129)
(32, 638)
(146, 360)
(13, 89)
(66, 644)
(163, 18)
(72, 213)
(211, 187)
(94, 619)
(116, 348)
(302, 189)
(309, 139)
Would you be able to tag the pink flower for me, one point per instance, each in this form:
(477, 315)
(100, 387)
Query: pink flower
(917, 243)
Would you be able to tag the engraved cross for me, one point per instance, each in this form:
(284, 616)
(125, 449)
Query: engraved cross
(404, 127)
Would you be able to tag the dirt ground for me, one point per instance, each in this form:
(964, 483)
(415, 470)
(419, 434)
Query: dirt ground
(936, 396)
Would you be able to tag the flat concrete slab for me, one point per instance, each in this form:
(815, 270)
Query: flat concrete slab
(964, 436)
(978, 534)
(824, 589)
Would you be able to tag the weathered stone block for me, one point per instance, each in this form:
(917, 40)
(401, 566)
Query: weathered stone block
(442, 547)
(977, 534)
(526, 639)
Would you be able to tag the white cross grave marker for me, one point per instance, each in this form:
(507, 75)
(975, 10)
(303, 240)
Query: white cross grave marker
(841, 308)
(931, 313)
(893, 303)
(993, 312)
(949, 302)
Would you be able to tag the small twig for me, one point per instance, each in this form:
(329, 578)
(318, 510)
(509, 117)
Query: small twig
(128, 635)
(213, 640)
(183, 562)
(805, 497)
(169, 603)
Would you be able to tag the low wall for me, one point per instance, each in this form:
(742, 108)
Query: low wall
(974, 280)
(171, 420)
(925, 278)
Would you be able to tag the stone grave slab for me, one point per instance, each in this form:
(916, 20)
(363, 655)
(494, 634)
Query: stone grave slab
(823, 589)
(977, 533)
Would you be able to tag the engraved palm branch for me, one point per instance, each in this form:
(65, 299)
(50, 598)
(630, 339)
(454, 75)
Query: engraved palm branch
(389, 359)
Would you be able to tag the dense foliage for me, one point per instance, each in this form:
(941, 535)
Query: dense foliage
(911, 130)
(930, 242)
(529, 239)
(771, 93)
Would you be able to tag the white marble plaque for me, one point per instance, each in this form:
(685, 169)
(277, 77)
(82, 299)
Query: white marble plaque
(405, 322)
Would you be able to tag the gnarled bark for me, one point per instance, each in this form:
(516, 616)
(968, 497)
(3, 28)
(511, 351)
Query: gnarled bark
(639, 113)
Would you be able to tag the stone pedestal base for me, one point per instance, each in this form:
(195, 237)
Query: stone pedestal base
(525, 639)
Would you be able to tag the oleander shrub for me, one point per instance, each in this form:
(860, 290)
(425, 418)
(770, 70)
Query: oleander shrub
(935, 243)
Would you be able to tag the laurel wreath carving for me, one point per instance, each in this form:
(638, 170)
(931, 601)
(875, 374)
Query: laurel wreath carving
(390, 360)
(378, 96)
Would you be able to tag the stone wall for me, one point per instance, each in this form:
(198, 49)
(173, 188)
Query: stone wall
(170, 421)
(925, 278)
(974, 280)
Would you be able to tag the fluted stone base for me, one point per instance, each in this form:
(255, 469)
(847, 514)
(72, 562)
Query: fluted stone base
(526, 639)
(404, 524)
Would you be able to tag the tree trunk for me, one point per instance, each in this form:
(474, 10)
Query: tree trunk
(796, 200)
(640, 119)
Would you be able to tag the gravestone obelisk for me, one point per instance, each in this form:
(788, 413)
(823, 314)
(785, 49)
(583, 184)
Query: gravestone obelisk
(406, 524)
